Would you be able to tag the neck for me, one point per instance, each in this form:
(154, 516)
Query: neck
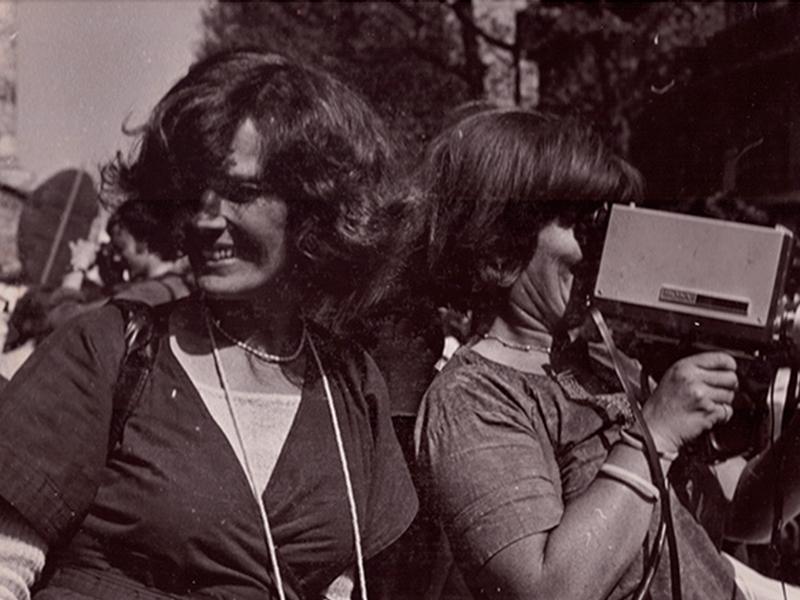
(274, 328)
(522, 346)
(520, 327)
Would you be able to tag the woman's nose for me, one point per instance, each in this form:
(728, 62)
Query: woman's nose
(209, 213)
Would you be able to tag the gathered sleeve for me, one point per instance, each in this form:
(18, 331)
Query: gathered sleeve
(489, 463)
(55, 415)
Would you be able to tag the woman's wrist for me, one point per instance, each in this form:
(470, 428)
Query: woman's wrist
(664, 444)
(635, 459)
(630, 479)
(634, 439)
(627, 467)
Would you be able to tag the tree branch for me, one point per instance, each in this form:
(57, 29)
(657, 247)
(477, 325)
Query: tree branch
(426, 55)
(408, 12)
(418, 48)
(467, 22)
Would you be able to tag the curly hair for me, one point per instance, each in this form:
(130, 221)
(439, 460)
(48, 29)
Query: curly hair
(138, 219)
(493, 180)
(324, 151)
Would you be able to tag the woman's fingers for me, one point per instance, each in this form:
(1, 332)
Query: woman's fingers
(695, 394)
(714, 361)
(721, 413)
(721, 379)
(712, 396)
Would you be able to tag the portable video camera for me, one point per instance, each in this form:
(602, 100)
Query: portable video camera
(681, 284)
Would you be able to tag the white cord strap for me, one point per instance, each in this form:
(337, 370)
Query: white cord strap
(273, 554)
(362, 579)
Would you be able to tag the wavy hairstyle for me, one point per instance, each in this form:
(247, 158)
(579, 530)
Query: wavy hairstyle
(493, 180)
(324, 151)
(137, 219)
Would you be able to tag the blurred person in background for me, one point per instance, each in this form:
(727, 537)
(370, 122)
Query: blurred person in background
(139, 263)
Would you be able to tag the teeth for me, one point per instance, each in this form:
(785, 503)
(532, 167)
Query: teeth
(221, 253)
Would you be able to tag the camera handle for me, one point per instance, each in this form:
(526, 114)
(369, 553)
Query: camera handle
(654, 464)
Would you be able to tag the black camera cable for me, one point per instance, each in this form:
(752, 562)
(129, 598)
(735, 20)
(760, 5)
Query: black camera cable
(656, 473)
(790, 404)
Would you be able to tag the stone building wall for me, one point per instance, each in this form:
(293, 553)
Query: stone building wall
(12, 176)
(8, 84)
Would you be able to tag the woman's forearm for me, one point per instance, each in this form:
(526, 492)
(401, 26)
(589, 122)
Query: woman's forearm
(599, 536)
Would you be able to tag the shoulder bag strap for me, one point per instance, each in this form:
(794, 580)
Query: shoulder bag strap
(141, 343)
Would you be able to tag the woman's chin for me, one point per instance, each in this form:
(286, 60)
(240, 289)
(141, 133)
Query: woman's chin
(223, 288)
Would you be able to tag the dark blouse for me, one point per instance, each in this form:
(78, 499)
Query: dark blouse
(171, 508)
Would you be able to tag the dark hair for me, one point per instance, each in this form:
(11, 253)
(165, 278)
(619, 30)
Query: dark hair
(324, 151)
(493, 180)
(139, 220)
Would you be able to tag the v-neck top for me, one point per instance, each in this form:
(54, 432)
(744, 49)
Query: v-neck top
(256, 424)
(261, 427)
(171, 508)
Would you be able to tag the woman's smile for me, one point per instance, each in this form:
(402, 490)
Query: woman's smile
(219, 254)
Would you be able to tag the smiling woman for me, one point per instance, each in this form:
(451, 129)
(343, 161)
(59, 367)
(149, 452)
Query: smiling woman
(260, 461)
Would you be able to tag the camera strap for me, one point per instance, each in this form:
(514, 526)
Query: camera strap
(789, 409)
(654, 464)
(790, 402)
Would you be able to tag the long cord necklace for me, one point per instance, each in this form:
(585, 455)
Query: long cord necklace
(545, 349)
(273, 553)
(258, 353)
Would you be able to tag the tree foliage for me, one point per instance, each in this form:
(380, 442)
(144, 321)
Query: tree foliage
(417, 60)
(609, 60)
(406, 57)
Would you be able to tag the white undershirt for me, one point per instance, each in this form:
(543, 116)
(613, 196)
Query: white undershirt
(264, 422)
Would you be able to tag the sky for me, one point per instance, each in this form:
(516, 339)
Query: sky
(85, 66)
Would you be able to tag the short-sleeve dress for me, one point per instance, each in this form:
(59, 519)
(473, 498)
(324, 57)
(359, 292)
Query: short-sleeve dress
(504, 451)
(169, 512)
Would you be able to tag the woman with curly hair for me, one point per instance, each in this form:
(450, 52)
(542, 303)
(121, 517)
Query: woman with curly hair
(259, 459)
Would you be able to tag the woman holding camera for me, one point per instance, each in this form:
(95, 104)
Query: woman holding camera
(535, 463)
(258, 458)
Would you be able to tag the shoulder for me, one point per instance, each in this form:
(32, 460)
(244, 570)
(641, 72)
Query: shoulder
(104, 325)
(476, 379)
(343, 355)
(472, 392)
(154, 291)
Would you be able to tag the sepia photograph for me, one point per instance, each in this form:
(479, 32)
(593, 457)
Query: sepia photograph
(399, 300)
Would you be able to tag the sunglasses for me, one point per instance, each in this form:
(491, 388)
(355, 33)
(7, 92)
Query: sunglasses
(588, 222)
(237, 191)
(583, 216)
